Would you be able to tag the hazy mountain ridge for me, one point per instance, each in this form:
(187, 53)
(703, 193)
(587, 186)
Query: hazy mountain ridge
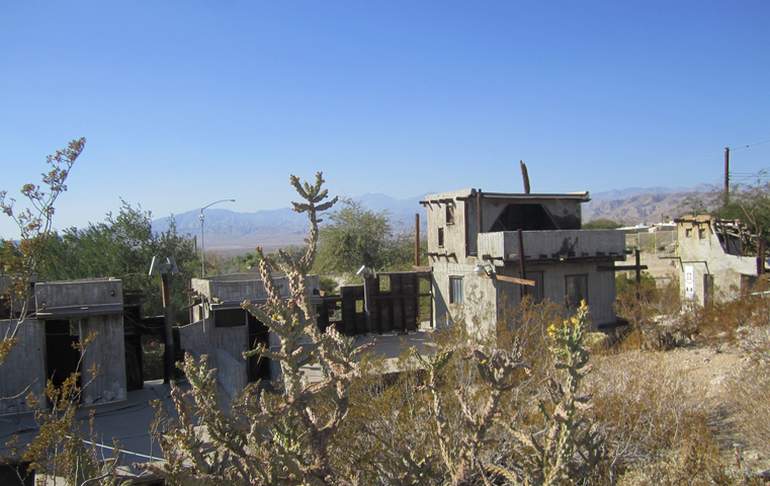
(639, 205)
(231, 230)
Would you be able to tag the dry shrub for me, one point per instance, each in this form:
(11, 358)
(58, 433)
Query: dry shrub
(644, 408)
(721, 322)
(695, 461)
(651, 313)
(749, 393)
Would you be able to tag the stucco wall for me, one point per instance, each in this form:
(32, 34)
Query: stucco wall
(601, 288)
(706, 256)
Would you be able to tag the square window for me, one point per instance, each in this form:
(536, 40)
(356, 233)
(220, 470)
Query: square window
(441, 237)
(576, 289)
(688, 232)
(456, 290)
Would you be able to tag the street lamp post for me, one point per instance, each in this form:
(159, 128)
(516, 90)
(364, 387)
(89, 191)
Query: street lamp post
(203, 248)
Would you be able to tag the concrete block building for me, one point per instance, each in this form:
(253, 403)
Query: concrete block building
(717, 259)
(474, 244)
(66, 313)
(221, 329)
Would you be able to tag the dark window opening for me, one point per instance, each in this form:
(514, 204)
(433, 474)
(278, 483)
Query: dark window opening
(450, 214)
(576, 290)
(688, 232)
(229, 318)
(528, 217)
(701, 233)
(61, 352)
(441, 237)
(456, 295)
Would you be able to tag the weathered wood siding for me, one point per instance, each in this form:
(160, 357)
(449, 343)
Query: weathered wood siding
(104, 361)
(24, 369)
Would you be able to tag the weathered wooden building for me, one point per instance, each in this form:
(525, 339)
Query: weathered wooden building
(76, 325)
(482, 246)
(222, 330)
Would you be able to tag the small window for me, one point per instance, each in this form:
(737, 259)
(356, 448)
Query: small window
(701, 233)
(536, 293)
(441, 237)
(384, 283)
(576, 290)
(359, 306)
(230, 318)
(688, 232)
(450, 214)
(456, 290)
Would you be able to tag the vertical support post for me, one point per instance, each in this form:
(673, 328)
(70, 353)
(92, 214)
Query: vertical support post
(727, 177)
(168, 353)
(416, 239)
(368, 281)
(203, 249)
(760, 255)
(479, 218)
(524, 176)
(638, 271)
(522, 265)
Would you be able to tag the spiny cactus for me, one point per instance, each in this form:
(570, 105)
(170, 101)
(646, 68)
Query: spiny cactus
(278, 436)
(461, 444)
(567, 447)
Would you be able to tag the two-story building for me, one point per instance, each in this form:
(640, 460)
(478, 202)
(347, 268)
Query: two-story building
(477, 253)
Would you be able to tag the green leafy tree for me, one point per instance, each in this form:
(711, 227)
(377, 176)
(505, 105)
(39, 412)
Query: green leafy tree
(358, 236)
(122, 246)
(602, 223)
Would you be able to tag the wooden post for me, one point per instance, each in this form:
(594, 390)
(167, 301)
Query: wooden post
(727, 177)
(760, 255)
(478, 213)
(522, 267)
(524, 176)
(638, 271)
(168, 352)
(416, 239)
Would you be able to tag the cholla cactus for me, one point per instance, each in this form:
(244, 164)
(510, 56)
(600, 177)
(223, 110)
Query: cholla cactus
(278, 436)
(568, 447)
(461, 444)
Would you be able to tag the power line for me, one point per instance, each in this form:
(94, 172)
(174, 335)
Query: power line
(748, 145)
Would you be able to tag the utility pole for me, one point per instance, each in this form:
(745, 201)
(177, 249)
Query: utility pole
(727, 177)
(416, 239)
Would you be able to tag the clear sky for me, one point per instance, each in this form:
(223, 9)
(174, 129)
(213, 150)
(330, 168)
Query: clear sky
(186, 102)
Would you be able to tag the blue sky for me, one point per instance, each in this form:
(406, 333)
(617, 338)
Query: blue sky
(186, 102)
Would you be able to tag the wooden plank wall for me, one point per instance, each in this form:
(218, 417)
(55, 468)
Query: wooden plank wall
(393, 301)
(104, 363)
(24, 367)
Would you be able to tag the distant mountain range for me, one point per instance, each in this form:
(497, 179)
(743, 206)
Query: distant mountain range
(228, 231)
(642, 205)
(231, 231)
